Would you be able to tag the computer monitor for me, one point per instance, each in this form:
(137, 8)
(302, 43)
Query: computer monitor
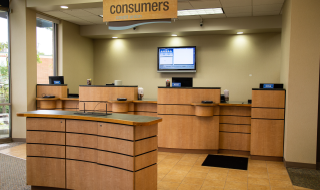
(56, 80)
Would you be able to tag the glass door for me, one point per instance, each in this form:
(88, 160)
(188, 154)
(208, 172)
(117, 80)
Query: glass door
(5, 102)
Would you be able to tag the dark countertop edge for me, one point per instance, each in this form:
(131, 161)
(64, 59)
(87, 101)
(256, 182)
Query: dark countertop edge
(108, 85)
(52, 84)
(268, 89)
(191, 87)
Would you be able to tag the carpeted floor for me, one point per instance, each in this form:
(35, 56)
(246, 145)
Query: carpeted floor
(12, 171)
(305, 178)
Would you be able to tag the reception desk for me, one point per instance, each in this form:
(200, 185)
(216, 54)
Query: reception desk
(69, 151)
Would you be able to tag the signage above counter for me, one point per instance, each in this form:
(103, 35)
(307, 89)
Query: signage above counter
(127, 10)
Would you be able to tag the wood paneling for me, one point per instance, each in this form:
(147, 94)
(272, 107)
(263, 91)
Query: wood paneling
(116, 145)
(236, 111)
(187, 96)
(145, 160)
(57, 91)
(267, 113)
(203, 111)
(141, 132)
(80, 140)
(46, 124)
(235, 120)
(47, 104)
(234, 141)
(146, 114)
(120, 107)
(146, 179)
(113, 178)
(117, 160)
(107, 93)
(48, 172)
(46, 150)
(145, 107)
(70, 104)
(78, 126)
(118, 131)
(45, 137)
(189, 132)
(176, 109)
(268, 98)
(84, 154)
(267, 137)
(235, 128)
(82, 175)
(146, 145)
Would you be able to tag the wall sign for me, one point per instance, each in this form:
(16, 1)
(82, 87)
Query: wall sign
(126, 10)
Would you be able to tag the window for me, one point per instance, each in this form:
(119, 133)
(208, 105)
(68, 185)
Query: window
(46, 50)
(5, 103)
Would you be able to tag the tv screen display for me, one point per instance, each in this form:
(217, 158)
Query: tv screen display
(177, 59)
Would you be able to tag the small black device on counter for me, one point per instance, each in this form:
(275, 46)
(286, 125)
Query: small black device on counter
(185, 81)
(222, 99)
(110, 84)
(270, 85)
(48, 97)
(249, 101)
(73, 95)
(122, 99)
(207, 102)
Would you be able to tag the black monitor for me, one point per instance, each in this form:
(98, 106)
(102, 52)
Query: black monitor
(184, 81)
(56, 80)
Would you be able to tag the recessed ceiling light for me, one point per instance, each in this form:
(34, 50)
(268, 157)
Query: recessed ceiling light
(200, 12)
(174, 35)
(64, 7)
(239, 32)
(101, 16)
(114, 37)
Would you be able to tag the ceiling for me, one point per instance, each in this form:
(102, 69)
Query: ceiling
(232, 8)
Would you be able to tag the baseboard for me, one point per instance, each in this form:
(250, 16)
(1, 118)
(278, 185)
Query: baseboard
(6, 140)
(266, 158)
(188, 151)
(19, 139)
(45, 188)
(237, 152)
(299, 165)
(318, 165)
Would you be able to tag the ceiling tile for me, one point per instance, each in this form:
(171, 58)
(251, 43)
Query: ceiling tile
(188, 17)
(214, 16)
(264, 8)
(184, 5)
(267, 2)
(266, 13)
(96, 11)
(236, 3)
(239, 15)
(78, 12)
(234, 10)
(205, 4)
(94, 19)
(78, 21)
(58, 14)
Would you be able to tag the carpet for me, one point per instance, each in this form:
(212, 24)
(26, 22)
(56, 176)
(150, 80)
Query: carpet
(230, 162)
(12, 171)
(306, 178)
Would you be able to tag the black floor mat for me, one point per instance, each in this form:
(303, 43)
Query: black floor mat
(230, 162)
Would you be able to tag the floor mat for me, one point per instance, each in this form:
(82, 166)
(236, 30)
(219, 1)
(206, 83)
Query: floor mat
(305, 178)
(230, 162)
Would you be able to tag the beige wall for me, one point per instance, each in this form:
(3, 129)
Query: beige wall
(23, 64)
(222, 61)
(75, 56)
(302, 73)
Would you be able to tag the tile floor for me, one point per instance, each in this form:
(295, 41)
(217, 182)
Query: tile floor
(177, 171)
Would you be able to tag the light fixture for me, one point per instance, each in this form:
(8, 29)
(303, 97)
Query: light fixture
(101, 16)
(114, 37)
(174, 35)
(239, 32)
(200, 12)
(64, 7)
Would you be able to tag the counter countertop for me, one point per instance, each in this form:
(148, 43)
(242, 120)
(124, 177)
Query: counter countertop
(126, 119)
(190, 87)
(108, 85)
(268, 89)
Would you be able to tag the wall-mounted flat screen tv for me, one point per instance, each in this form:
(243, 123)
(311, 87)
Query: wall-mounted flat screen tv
(177, 59)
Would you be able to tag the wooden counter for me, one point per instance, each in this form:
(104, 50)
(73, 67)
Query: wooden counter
(68, 151)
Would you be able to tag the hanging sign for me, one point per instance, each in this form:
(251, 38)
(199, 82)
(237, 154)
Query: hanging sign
(126, 10)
